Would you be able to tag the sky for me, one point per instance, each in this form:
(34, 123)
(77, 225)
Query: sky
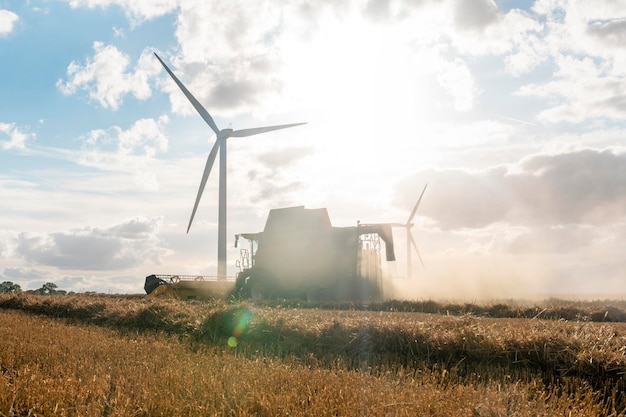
(513, 113)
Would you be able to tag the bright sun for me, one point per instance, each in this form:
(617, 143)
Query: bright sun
(370, 101)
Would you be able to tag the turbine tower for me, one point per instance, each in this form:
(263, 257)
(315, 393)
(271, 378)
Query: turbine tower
(410, 241)
(220, 144)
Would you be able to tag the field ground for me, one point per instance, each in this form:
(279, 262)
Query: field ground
(128, 356)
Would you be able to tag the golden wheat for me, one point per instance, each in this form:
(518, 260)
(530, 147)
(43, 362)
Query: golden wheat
(156, 357)
(52, 368)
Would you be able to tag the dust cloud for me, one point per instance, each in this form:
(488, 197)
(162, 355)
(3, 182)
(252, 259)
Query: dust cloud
(473, 280)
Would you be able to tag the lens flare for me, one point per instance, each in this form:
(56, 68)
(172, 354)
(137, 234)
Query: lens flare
(241, 324)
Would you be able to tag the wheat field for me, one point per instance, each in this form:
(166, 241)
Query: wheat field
(90, 355)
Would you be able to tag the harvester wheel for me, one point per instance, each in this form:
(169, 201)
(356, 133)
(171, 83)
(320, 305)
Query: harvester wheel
(258, 290)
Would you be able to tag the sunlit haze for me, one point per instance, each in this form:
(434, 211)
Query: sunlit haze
(513, 113)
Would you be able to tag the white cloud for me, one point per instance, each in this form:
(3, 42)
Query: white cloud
(247, 30)
(146, 135)
(583, 28)
(457, 80)
(131, 243)
(17, 138)
(586, 186)
(145, 138)
(581, 90)
(479, 28)
(475, 14)
(585, 42)
(126, 151)
(239, 67)
(530, 53)
(106, 77)
(261, 56)
(7, 21)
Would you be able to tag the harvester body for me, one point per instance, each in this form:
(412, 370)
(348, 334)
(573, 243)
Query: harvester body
(300, 254)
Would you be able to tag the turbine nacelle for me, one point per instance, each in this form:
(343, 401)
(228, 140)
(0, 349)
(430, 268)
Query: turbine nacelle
(225, 133)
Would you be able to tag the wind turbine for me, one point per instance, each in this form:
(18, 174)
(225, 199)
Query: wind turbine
(220, 144)
(409, 236)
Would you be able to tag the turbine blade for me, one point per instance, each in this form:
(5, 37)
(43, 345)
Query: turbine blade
(256, 130)
(201, 110)
(205, 175)
(416, 205)
(415, 246)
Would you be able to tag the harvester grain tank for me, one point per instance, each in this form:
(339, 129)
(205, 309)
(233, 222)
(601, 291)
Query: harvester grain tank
(300, 254)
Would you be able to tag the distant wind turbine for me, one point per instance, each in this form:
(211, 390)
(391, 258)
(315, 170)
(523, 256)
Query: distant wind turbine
(410, 241)
(220, 143)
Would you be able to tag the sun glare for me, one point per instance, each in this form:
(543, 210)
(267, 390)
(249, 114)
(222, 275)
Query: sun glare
(369, 101)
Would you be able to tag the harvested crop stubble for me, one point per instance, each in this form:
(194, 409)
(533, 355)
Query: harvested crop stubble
(360, 338)
(51, 367)
(567, 348)
(117, 311)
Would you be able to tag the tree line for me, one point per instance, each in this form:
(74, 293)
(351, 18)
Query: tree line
(49, 288)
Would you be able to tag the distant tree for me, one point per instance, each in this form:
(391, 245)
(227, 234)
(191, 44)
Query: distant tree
(48, 288)
(7, 287)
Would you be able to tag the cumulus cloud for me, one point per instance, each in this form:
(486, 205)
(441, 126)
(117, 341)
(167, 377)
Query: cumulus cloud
(16, 138)
(457, 80)
(260, 54)
(611, 32)
(243, 67)
(585, 42)
(128, 151)
(593, 28)
(145, 136)
(125, 245)
(579, 187)
(239, 67)
(475, 14)
(7, 21)
(107, 79)
(581, 89)
(479, 28)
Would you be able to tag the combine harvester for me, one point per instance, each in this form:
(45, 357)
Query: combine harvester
(299, 254)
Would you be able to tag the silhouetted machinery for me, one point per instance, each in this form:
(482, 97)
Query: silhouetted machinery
(188, 287)
(300, 254)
